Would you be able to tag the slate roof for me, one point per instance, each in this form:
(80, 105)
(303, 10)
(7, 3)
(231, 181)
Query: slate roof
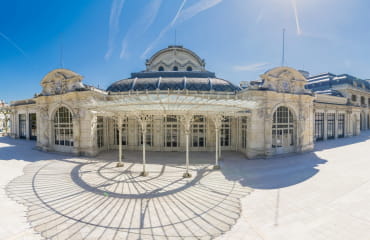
(324, 82)
(192, 81)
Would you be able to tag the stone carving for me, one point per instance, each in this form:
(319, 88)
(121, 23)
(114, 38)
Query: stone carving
(283, 79)
(61, 81)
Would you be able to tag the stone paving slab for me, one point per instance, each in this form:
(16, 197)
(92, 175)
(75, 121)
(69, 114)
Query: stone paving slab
(93, 199)
(318, 195)
(323, 195)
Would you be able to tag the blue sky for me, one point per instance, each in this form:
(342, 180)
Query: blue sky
(106, 40)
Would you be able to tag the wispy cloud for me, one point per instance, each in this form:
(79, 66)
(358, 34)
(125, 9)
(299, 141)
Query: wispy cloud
(13, 44)
(182, 15)
(251, 67)
(115, 14)
(197, 8)
(147, 18)
(164, 30)
(297, 22)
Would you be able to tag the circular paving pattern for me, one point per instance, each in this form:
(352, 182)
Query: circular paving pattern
(78, 199)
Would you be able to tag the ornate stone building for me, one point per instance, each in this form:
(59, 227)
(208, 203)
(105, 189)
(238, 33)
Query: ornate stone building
(177, 105)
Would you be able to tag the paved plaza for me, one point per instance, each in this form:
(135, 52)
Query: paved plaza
(317, 195)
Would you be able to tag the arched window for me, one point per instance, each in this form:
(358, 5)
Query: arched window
(175, 68)
(282, 128)
(189, 69)
(63, 127)
(160, 69)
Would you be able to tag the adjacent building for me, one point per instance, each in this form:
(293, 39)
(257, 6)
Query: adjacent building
(341, 105)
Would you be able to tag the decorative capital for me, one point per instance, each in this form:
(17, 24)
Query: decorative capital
(186, 120)
(217, 120)
(143, 120)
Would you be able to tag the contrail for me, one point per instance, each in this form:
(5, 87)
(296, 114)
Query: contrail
(294, 4)
(146, 20)
(13, 43)
(165, 30)
(115, 14)
(197, 8)
(182, 16)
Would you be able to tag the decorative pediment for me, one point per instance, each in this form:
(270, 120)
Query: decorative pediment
(284, 79)
(61, 81)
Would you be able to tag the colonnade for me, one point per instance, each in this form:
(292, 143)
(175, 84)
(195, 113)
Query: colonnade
(186, 121)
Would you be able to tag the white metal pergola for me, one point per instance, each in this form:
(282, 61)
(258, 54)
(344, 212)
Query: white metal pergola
(142, 106)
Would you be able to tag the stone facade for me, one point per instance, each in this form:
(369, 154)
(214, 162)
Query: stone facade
(176, 103)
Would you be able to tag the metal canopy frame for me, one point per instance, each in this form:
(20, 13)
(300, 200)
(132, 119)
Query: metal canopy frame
(166, 104)
(184, 105)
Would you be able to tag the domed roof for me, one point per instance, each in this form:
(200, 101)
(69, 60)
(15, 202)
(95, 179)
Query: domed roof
(171, 83)
(174, 68)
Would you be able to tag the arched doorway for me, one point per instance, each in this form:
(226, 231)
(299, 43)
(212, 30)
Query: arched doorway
(283, 131)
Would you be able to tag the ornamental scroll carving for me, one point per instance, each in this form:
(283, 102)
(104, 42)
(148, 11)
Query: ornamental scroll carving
(285, 80)
(61, 81)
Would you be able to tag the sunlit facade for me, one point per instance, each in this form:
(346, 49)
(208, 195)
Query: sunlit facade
(175, 104)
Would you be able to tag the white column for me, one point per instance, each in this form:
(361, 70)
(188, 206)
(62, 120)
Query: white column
(144, 173)
(217, 147)
(186, 121)
(219, 144)
(187, 153)
(217, 120)
(143, 120)
(120, 163)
